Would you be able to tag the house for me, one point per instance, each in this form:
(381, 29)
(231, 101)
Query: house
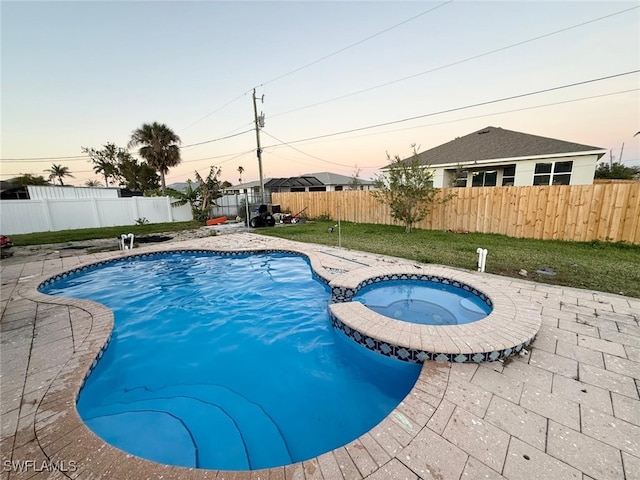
(312, 182)
(498, 157)
(337, 183)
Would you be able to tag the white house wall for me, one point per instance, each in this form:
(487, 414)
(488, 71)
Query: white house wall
(28, 216)
(582, 173)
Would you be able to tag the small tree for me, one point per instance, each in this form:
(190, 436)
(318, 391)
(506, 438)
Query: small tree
(616, 170)
(136, 175)
(92, 183)
(201, 194)
(105, 161)
(355, 183)
(407, 188)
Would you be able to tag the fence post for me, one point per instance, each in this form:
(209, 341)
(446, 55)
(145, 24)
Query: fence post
(96, 215)
(136, 209)
(169, 209)
(47, 214)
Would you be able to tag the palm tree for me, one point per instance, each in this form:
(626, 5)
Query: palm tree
(59, 172)
(159, 146)
(93, 183)
(104, 168)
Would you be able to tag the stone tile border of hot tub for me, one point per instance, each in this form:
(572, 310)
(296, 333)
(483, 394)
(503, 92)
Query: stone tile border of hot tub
(504, 332)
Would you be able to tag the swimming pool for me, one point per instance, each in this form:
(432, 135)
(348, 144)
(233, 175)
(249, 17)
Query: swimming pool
(227, 362)
(424, 302)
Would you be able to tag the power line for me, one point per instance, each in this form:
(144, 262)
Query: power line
(216, 139)
(85, 157)
(355, 44)
(441, 67)
(43, 158)
(305, 153)
(489, 102)
(316, 61)
(237, 154)
(489, 114)
(215, 111)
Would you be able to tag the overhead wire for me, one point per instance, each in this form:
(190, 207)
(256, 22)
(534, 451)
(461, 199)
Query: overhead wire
(480, 116)
(216, 139)
(304, 153)
(458, 62)
(479, 104)
(215, 111)
(381, 32)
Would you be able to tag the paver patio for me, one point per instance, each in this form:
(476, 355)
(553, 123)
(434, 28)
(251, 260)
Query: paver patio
(567, 407)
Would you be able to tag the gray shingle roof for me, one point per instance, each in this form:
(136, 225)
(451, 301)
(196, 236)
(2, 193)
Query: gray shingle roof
(497, 143)
(329, 178)
(293, 182)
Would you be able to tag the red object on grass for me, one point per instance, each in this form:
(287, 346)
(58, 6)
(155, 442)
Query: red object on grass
(216, 221)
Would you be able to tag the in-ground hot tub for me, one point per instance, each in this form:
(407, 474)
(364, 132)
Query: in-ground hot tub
(424, 302)
(480, 323)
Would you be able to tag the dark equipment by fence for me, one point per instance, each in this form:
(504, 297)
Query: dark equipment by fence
(263, 219)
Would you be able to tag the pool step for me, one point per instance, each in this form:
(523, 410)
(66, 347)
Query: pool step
(229, 431)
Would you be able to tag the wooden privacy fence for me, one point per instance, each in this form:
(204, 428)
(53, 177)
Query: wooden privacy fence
(606, 212)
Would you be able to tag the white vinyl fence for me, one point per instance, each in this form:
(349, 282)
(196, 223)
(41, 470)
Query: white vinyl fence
(50, 215)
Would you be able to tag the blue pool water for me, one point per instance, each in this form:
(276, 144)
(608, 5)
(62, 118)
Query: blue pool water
(423, 302)
(228, 362)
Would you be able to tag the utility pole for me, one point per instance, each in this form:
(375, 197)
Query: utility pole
(259, 121)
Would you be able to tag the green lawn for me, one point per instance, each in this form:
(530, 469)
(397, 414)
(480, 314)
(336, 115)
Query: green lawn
(606, 267)
(64, 236)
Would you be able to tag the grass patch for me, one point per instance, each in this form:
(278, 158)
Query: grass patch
(65, 236)
(605, 267)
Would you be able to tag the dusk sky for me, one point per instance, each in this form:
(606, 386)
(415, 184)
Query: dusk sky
(81, 74)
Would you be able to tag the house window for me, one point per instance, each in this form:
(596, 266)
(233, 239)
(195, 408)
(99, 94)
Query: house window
(487, 178)
(558, 173)
(297, 189)
(508, 175)
(338, 188)
(317, 189)
(562, 173)
(459, 178)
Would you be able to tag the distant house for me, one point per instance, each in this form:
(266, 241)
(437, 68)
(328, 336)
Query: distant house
(312, 182)
(497, 157)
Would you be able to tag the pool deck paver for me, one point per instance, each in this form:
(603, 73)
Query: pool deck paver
(568, 407)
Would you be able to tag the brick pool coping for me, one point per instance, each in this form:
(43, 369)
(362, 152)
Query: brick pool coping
(63, 438)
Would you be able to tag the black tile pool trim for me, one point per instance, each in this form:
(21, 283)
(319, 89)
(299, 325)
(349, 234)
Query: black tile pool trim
(407, 354)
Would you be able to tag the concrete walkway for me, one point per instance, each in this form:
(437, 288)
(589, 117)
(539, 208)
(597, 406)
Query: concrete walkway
(567, 407)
